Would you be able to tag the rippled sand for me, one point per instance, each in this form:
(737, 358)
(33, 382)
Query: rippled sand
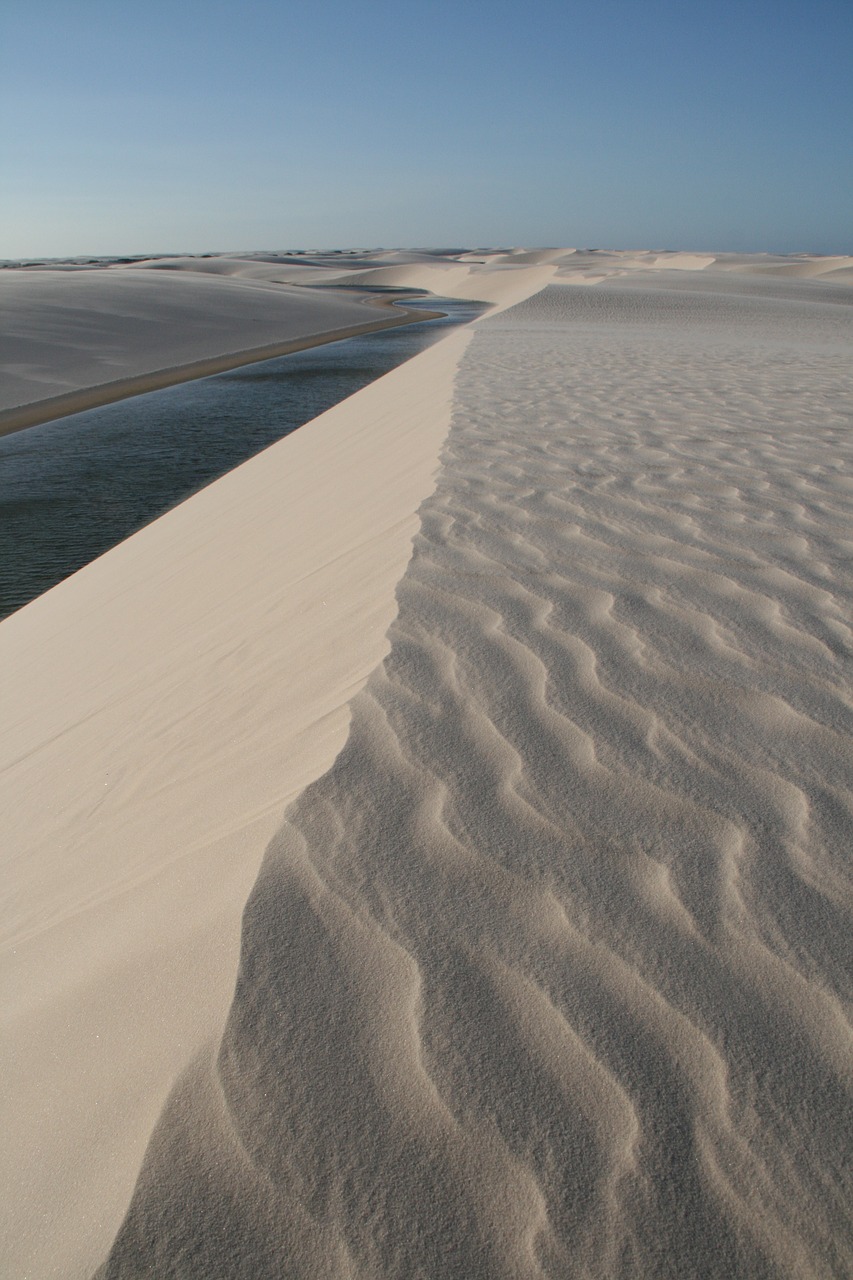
(550, 974)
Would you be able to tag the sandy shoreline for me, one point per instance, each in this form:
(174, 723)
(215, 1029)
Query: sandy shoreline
(21, 416)
(31, 415)
(545, 971)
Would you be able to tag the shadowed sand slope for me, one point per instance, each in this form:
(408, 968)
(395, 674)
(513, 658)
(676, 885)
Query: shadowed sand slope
(550, 974)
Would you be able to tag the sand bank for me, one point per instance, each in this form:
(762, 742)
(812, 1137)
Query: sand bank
(159, 710)
(104, 335)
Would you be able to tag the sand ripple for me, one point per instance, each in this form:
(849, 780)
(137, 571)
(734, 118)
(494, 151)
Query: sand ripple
(550, 974)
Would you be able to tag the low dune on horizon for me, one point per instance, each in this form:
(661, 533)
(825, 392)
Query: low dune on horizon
(429, 847)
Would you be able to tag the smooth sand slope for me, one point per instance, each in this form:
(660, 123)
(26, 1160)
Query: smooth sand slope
(549, 974)
(73, 339)
(160, 708)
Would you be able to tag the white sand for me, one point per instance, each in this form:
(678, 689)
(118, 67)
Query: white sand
(73, 339)
(159, 710)
(549, 974)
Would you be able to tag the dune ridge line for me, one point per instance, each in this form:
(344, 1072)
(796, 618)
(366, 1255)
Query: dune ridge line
(161, 706)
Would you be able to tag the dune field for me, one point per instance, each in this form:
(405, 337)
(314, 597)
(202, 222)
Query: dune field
(429, 847)
(72, 339)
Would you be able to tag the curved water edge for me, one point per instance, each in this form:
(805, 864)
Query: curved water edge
(72, 488)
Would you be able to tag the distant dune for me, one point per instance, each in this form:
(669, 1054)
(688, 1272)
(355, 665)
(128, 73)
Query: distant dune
(74, 339)
(430, 844)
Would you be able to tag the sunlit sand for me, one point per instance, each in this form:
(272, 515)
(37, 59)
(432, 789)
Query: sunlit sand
(427, 848)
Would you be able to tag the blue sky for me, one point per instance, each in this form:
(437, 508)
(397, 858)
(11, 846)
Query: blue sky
(216, 126)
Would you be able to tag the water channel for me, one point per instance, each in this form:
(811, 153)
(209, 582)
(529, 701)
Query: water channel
(73, 488)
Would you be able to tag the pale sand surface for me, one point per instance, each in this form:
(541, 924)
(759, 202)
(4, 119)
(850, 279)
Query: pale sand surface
(73, 339)
(160, 708)
(73, 336)
(550, 973)
(501, 279)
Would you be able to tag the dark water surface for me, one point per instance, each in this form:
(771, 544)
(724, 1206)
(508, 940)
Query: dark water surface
(73, 488)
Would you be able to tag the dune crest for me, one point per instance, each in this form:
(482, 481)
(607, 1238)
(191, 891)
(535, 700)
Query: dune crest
(549, 975)
(75, 339)
(160, 709)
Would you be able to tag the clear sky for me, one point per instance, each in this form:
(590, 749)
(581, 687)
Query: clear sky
(212, 125)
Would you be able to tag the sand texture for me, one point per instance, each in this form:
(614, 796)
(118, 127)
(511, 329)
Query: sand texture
(540, 825)
(550, 974)
(160, 709)
(73, 337)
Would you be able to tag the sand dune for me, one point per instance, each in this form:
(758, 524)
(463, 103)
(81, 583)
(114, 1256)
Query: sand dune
(549, 973)
(287, 271)
(432, 276)
(593, 266)
(501, 283)
(804, 266)
(160, 708)
(718, 285)
(72, 339)
(76, 338)
(533, 257)
(444, 276)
